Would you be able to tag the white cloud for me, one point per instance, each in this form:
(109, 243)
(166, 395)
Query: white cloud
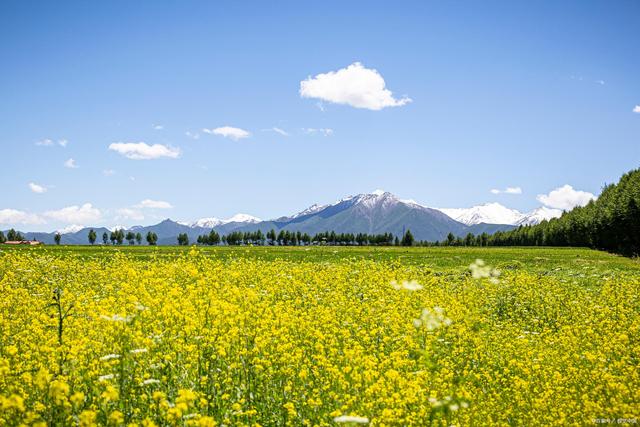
(280, 131)
(228, 132)
(84, 214)
(143, 151)
(192, 135)
(508, 190)
(37, 188)
(636, 109)
(71, 164)
(565, 198)
(128, 213)
(153, 204)
(13, 216)
(158, 127)
(323, 131)
(49, 142)
(45, 143)
(355, 85)
(108, 172)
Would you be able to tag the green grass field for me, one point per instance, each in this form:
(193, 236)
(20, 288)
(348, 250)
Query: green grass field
(577, 264)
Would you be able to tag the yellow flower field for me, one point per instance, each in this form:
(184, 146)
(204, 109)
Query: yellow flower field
(204, 341)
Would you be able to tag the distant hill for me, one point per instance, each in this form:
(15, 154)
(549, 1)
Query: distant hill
(372, 213)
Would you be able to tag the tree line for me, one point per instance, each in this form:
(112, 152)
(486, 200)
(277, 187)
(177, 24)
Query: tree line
(297, 238)
(611, 223)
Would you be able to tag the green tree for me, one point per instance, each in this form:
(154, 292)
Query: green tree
(407, 239)
(105, 238)
(183, 239)
(450, 239)
(57, 238)
(2, 237)
(139, 238)
(92, 236)
(152, 238)
(131, 238)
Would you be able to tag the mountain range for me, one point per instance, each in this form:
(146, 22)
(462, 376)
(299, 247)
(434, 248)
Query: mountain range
(373, 213)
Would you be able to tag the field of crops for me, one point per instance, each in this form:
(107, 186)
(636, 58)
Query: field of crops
(317, 336)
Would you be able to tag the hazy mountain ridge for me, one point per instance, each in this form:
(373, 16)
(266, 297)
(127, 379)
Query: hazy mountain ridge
(373, 213)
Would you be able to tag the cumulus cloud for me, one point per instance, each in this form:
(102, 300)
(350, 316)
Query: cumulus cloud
(355, 85)
(37, 188)
(143, 151)
(129, 213)
(63, 142)
(508, 190)
(75, 214)
(565, 198)
(158, 127)
(228, 132)
(153, 204)
(71, 164)
(321, 131)
(636, 109)
(14, 216)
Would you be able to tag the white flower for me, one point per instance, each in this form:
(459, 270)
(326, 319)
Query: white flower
(432, 320)
(138, 350)
(409, 286)
(150, 381)
(481, 271)
(116, 318)
(351, 419)
(105, 377)
(110, 357)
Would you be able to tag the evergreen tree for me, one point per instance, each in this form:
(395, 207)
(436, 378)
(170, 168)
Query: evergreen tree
(57, 238)
(105, 238)
(2, 237)
(407, 239)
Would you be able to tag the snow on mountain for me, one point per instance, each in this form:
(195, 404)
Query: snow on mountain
(489, 213)
(214, 222)
(206, 222)
(242, 218)
(536, 216)
(70, 229)
(117, 227)
(310, 210)
(495, 213)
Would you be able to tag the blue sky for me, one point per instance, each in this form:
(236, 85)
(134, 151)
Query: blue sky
(533, 95)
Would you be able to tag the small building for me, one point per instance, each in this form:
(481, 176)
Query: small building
(23, 242)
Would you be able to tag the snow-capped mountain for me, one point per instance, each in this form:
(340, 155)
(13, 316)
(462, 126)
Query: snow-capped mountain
(495, 213)
(70, 229)
(242, 218)
(310, 210)
(206, 222)
(214, 222)
(373, 213)
(536, 216)
(489, 213)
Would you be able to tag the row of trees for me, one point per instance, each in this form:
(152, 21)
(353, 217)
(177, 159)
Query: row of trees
(297, 238)
(117, 237)
(12, 235)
